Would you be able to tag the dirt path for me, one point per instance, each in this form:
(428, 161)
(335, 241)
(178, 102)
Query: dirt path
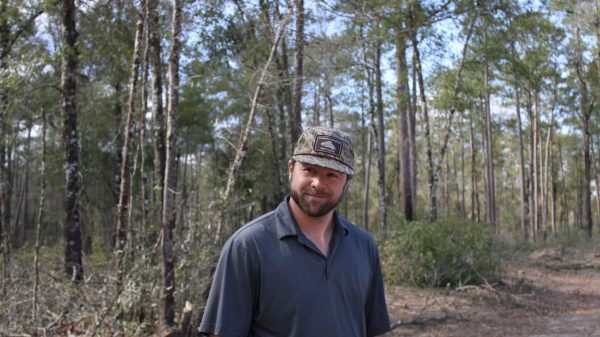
(552, 293)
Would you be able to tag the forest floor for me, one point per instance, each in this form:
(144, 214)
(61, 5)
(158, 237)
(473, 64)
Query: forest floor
(550, 293)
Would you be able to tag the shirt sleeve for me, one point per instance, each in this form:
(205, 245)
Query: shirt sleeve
(228, 311)
(376, 312)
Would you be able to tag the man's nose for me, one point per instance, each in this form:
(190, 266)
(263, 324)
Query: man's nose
(316, 181)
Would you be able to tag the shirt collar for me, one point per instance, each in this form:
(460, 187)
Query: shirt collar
(286, 224)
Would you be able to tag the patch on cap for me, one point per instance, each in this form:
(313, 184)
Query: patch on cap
(328, 144)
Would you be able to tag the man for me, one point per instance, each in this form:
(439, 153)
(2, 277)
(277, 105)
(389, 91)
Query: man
(301, 270)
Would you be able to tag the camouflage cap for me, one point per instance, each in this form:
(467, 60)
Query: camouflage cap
(325, 147)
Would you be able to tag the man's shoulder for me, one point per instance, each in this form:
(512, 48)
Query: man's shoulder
(255, 228)
(355, 231)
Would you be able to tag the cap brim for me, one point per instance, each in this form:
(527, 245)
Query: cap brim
(324, 162)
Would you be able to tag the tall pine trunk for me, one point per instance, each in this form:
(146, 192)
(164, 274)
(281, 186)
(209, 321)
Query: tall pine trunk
(73, 259)
(4, 208)
(296, 127)
(144, 195)
(585, 114)
(489, 157)
(379, 139)
(524, 203)
(167, 317)
(475, 206)
(158, 122)
(404, 141)
(40, 220)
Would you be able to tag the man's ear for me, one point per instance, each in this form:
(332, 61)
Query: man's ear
(291, 164)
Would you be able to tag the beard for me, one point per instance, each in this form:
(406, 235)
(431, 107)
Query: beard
(310, 209)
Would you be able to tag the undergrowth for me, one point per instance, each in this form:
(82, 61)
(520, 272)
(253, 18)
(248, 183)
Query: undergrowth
(441, 254)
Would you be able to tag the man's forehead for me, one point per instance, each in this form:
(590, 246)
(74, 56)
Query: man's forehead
(309, 165)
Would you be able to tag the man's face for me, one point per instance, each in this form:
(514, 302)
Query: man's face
(315, 189)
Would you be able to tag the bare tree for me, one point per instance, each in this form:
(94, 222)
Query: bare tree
(40, 220)
(125, 174)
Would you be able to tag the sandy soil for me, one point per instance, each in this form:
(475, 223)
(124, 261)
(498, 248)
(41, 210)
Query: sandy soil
(551, 293)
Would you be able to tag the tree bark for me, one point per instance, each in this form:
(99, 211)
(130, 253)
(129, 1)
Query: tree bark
(296, 126)
(40, 220)
(73, 259)
(167, 316)
(158, 126)
(489, 156)
(522, 169)
(404, 141)
(475, 207)
(533, 225)
(4, 222)
(144, 195)
(585, 114)
(379, 139)
(125, 173)
(369, 142)
(598, 188)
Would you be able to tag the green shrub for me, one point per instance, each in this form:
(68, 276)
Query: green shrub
(444, 253)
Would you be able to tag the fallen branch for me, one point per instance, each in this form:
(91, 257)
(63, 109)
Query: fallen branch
(419, 322)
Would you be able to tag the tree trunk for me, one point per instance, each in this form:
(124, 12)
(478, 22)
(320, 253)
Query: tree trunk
(586, 109)
(379, 138)
(118, 141)
(25, 223)
(4, 223)
(489, 157)
(369, 142)
(546, 167)
(564, 205)
(463, 178)
(533, 225)
(598, 189)
(296, 126)
(125, 174)
(144, 195)
(158, 125)
(40, 220)
(523, 188)
(167, 317)
(403, 96)
(73, 261)
(475, 209)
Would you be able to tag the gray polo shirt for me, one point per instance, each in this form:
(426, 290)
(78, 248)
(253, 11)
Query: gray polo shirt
(272, 281)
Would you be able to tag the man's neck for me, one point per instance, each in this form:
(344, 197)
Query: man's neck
(317, 229)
